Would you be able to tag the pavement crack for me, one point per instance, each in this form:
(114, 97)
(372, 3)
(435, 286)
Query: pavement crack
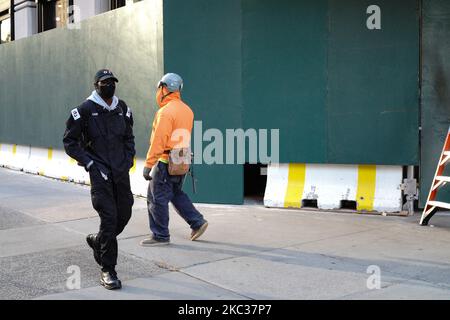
(334, 237)
(77, 219)
(165, 266)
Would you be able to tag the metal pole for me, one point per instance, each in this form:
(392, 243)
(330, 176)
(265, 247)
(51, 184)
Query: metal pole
(410, 177)
(11, 16)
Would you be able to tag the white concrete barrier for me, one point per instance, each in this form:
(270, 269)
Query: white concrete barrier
(75, 173)
(13, 156)
(61, 166)
(373, 188)
(57, 164)
(139, 185)
(276, 186)
(37, 161)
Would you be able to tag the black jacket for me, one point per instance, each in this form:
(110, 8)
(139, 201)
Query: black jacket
(106, 137)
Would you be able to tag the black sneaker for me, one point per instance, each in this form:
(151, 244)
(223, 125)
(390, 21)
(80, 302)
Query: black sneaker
(110, 281)
(91, 240)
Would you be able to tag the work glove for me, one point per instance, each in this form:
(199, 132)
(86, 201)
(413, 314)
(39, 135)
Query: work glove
(146, 173)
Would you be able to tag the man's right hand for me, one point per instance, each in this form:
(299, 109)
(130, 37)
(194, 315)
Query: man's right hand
(146, 173)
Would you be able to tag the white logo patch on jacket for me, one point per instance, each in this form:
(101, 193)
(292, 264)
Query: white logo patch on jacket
(75, 114)
(128, 112)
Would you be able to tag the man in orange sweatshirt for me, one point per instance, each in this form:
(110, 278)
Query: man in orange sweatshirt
(172, 128)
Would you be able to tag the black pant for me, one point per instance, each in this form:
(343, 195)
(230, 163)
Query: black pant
(113, 201)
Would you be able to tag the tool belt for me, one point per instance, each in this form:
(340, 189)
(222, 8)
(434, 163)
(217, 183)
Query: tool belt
(179, 161)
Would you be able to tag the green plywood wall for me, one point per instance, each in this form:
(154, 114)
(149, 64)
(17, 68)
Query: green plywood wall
(284, 72)
(435, 111)
(338, 92)
(44, 76)
(373, 83)
(202, 42)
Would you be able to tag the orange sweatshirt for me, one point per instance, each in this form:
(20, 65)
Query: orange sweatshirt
(172, 128)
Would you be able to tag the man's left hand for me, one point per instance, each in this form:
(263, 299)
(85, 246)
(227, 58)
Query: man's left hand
(146, 173)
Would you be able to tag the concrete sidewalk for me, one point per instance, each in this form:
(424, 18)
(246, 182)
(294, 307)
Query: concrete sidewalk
(248, 252)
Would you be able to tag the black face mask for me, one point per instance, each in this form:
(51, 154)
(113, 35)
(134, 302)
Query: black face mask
(106, 92)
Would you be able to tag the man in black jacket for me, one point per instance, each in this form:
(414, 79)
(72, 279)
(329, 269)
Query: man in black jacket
(99, 135)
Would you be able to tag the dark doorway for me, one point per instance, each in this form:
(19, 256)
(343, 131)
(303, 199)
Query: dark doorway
(255, 179)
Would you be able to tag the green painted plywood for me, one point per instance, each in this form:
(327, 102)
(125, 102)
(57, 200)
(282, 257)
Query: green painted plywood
(202, 43)
(435, 111)
(284, 74)
(44, 76)
(372, 101)
(338, 92)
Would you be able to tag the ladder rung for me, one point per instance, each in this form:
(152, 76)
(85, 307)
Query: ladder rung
(437, 185)
(439, 204)
(445, 160)
(429, 210)
(443, 178)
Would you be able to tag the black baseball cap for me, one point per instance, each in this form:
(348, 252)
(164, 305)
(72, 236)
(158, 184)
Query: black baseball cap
(104, 74)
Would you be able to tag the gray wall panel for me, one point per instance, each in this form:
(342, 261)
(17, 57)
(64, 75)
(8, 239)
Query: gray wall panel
(44, 76)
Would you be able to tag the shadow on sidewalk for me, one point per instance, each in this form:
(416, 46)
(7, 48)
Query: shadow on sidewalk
(398, 269)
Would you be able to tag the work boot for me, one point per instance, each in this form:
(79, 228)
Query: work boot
(110, 281)
(91, 240)
(195, 234)
(150, 242)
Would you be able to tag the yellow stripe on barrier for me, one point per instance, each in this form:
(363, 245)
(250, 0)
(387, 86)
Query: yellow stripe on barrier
(296, 184)
(72, 161)
(49, 158)
(133, 168)
(366, 187)
(14, 149)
